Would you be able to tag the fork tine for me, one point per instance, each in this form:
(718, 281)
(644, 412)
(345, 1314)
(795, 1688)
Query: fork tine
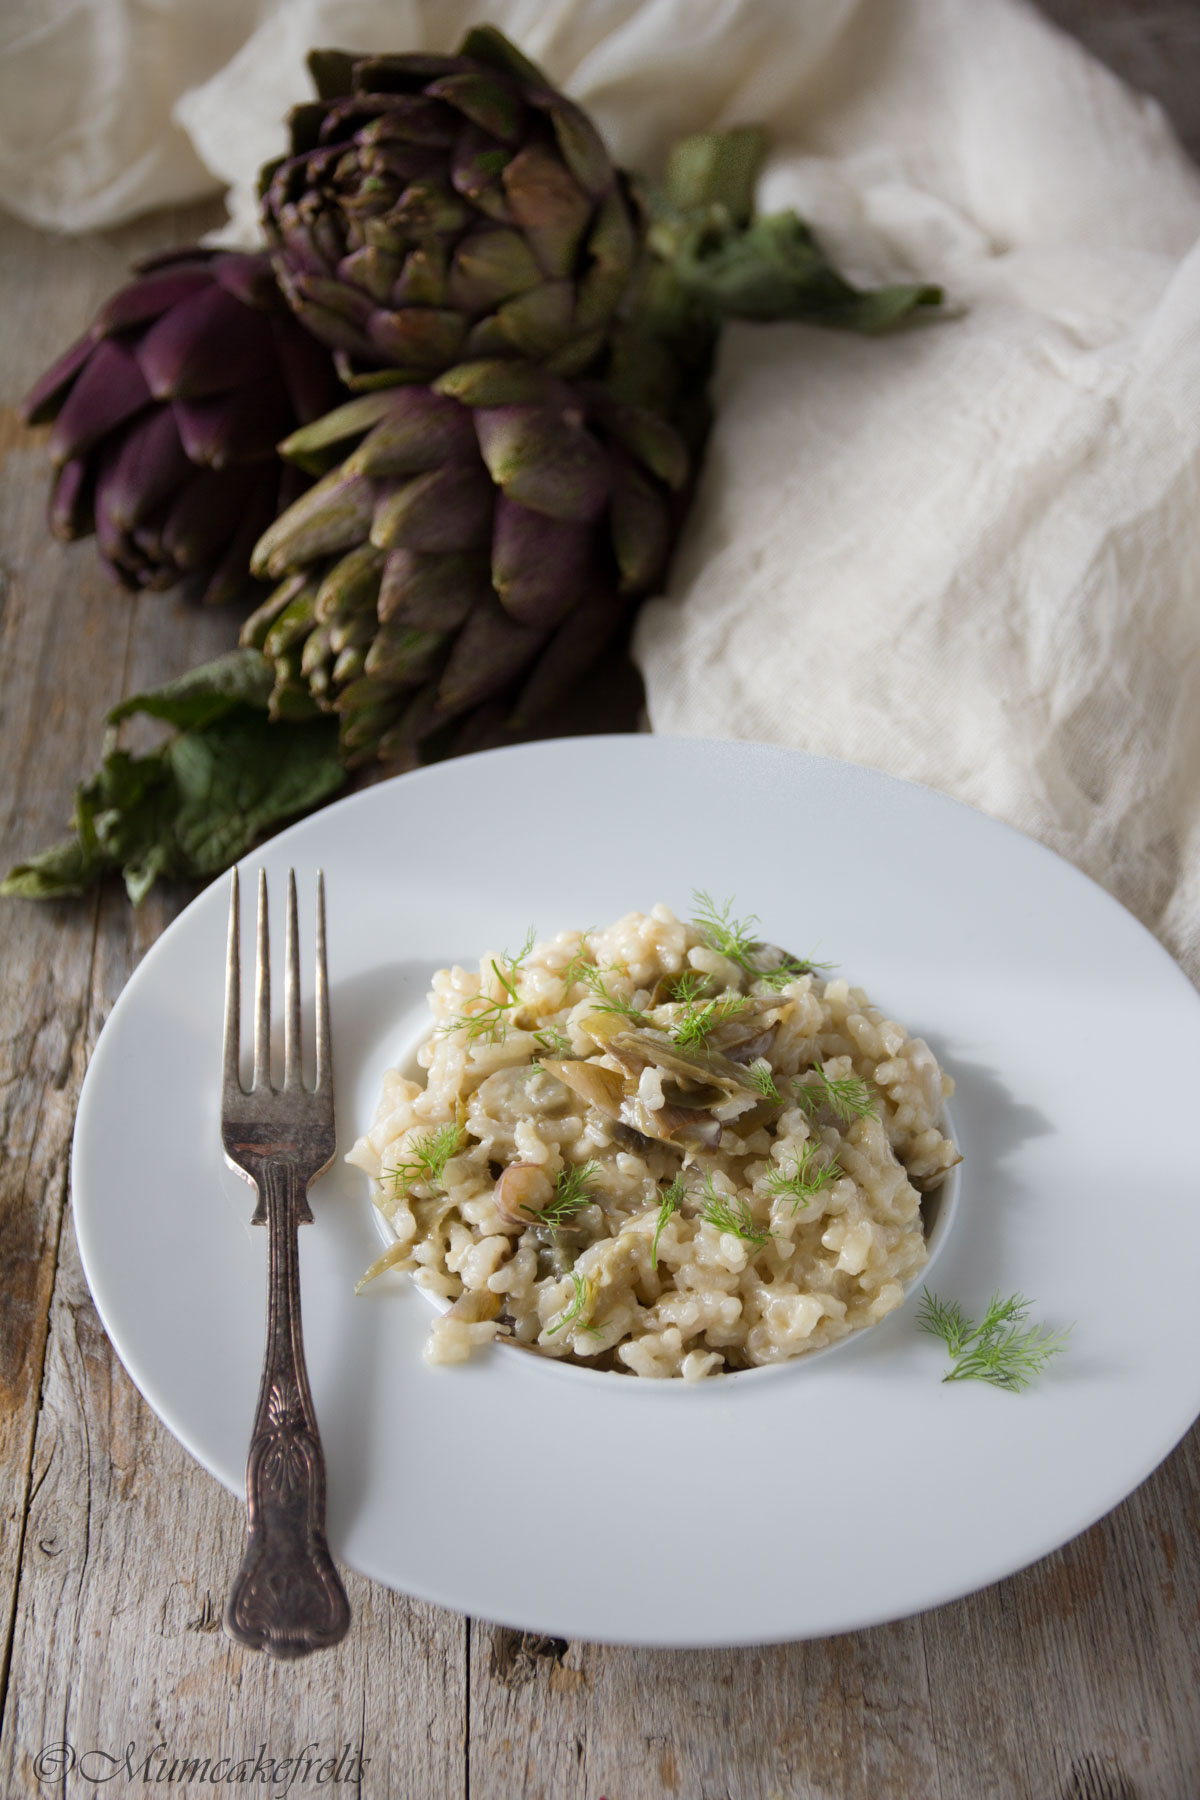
(324, 1045)
(262, 993)
(233, 997)
(291, 991)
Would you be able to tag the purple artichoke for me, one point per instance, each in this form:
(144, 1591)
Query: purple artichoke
(483, 541)
(166, 417)
(438, 208)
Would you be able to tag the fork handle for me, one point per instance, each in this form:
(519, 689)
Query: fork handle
(287, 1597)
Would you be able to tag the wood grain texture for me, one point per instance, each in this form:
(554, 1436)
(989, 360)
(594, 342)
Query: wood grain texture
(1076, 1680)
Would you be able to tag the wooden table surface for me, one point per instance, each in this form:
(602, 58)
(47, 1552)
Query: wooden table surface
(1078, 1679)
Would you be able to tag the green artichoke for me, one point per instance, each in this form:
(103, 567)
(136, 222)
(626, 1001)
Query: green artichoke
(440, 208)
(484, 539)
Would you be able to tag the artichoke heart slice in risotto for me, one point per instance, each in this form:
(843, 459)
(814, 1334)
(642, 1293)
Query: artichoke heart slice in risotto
(662, 1148)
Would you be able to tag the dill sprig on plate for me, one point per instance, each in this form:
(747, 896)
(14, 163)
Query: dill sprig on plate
(812, 1169)
(572, 1190)
(579, 1306)
(670, 1201)
(738, 941)
(1001, 1349)
(489, 1019)
(426, 1158)
(847, 1097)
(732, 1214)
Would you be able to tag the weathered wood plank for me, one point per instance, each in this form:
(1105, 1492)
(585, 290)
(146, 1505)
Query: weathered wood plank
(1085, 1668)
(129, 1551)
(63, 654)
(842, 1716)
(125, 1546)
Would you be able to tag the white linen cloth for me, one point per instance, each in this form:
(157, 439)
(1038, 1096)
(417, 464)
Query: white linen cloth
(967, 554)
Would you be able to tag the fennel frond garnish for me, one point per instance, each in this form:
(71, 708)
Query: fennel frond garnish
(761, 1076)
(687, 987)
(812, 1170)
(670, 1201)
(605, 1000)
(1001, 1349)
(555, 1042)
(695, 1025)
(847, 1097)
(731, 1214)
(738, 942)
(426, 1158)
(581, 961)
(572, 1190)
(581, 1304)
(490, 1019)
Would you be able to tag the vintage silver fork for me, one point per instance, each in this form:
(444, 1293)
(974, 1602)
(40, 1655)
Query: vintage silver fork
(287, 1597)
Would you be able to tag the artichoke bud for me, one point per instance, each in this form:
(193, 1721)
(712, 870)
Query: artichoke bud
(464, 188)
(166, 416)
(513, 517)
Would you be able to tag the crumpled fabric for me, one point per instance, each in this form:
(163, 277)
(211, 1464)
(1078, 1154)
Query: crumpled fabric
(967, 553)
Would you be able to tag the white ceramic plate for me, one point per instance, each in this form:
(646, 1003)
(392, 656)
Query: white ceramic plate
(803, 1500)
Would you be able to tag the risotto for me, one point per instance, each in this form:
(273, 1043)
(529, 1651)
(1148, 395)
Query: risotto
(662, 1148)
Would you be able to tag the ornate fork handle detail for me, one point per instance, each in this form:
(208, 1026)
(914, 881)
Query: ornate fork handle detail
(287, 1597)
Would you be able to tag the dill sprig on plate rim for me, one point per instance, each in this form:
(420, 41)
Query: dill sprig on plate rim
(1001, 1349)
